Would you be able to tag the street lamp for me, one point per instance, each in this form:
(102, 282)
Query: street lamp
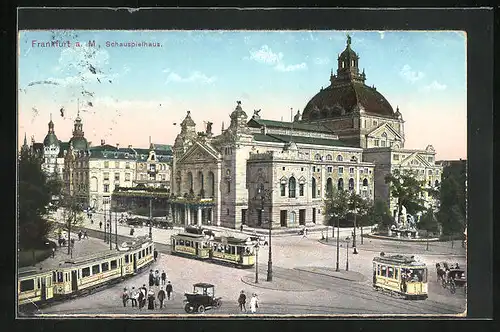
(270, 261)
(354, 232)
(151, 217)
(257, 262)
(338, 237)
(347, 253)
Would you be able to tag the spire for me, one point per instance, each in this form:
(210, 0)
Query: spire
(348, 41)
(348, 69)
(222, 127)
(25, 140)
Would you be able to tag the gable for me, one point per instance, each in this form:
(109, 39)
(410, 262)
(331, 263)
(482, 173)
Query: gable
(387, 128)
(198, 153)
(415, 160)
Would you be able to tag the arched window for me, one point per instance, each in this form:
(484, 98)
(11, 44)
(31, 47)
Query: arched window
(339, 158)
(292, 217)
(190, 181)
(329, 186)
(211, 184)
(93, 184)
(313, 186)
(317, 156)
(328, 157)
(365, 182)
(436, 183)
(201, 180)
(291, 187)
(340, 184)
(351, 184)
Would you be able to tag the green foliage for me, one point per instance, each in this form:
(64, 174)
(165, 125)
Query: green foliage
(381, 215)
(336, 205)
(428, 221)
(407, 189)
(452, 211)
(33, 198)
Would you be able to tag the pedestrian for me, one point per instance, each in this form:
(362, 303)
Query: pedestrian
(80, 234)
(85, 235)
(242, 301)
(163, 278)
(100, 224)
(241, 228)
(161, 297)
(155, 254)
(157, 278)
(125, 297)
(151, 278)
(54, 251)
(151, 299)
(169, 289)
(134, 294)
(142, 296)
(254, 303)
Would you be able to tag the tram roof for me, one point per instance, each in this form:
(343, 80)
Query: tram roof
(231, 239)
(89, 258)
(29, 270)
(191, 235)
(398, 260)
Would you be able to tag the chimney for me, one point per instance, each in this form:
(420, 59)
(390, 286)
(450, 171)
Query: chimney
(117, 146)
(103, 142)
(130, 146)
(263, 130)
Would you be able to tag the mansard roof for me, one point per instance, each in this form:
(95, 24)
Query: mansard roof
(258, 123)
(274, 138)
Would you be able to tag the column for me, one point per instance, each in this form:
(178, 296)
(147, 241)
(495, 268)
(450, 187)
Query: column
(211, 215)
(199, 216)
(188, 214)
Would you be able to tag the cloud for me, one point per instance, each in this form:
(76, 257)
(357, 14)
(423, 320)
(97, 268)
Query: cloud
(266, 56)
(282, 67)
(195, 77)
(411, 75)
(322, 61)
(434, 86)
(382, 34)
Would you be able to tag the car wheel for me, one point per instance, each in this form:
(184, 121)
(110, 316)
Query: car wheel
(218, 303)
(201, 309)
(188, 308)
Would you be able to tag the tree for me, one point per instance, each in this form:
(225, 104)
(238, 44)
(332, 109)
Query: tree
(451, 213)
(428, 222)
(34, 197)
(381, 215)
(357, 206)
(408, 190)
(336, 205)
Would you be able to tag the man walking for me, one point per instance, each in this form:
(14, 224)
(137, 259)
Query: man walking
(169, 290)
(80, 235)
(163, 278)
(85, 235)
(242, 300)
(155, 254)
(100, 224)
(151, 279)
(125, 297)
(161, 297)
(133, 296)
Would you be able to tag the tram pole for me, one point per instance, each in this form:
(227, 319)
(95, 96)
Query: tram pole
(338, 236)
(347, 252)
(150, 218)
(110, 229)
(257, 262)
(270, 261)
(116, 231)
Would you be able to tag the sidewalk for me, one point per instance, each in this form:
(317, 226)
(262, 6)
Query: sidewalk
(278, 284)
(345, 275)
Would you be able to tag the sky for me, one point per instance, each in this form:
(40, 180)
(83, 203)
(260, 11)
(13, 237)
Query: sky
(127, 93)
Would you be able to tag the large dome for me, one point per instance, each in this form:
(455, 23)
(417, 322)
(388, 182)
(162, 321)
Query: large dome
(338, 100)
(51, 139)
(347, 92)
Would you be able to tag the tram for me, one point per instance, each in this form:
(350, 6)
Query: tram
(400, 275)
(208, 246)
(84, 275)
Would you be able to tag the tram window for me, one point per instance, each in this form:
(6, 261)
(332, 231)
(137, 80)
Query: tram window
(105, 267)
(126, 258)
(187, 243)
(95, 269)
(53, 276)
(181, 242)
(143, 252)
(390, 272)
(114, 264)
(139, 255)
(85, 272)
(38, 283)
(27, 285)
(49, 282)
(396, 273)
(384, 271)
(60, 277)
(378, 269)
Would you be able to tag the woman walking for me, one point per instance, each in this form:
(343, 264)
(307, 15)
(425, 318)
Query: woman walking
(151, 299)
(254, 303)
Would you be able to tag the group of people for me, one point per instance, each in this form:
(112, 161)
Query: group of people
(254, 302)
(82, 235)
(142, 296)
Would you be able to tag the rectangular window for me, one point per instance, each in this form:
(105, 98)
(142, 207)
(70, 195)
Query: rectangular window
(105, 267)
(27, 285)
(284, 168)
(302, 169)
(382, 143)
(106, 176)
(283, 189)
(127, 165)
(106, 164)
(430, 159)
(329, 169)
(117, 164)
(376, 142)
(378, 269)
(351, 170)
(366, 170)
(152, 167)
(117, 176)
(95, 269)
(60, 277)
(390, 272)
(127, 176)
(228, 187)
(301, 189)
(143, 253)
(384, 271)
(396, 273)
(395, 157)
(314, 168)
(85, 272)
(341, 170)
(106, 188)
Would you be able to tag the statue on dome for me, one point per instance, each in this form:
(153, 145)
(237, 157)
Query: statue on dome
(256, 114)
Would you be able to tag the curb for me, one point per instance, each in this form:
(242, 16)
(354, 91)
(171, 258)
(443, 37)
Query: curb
(382, 237)
(330, 275)
(297, 288)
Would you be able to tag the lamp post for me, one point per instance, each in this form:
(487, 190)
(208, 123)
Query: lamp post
(110, 230)
(270, 261)
(151, 218)
(338, 237)
(354, 232)
(257, 262)
(347, 253)
(116, 230)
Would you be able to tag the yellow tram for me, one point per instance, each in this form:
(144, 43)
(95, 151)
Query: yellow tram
(196, 245)
(402, 275)
(34, 286)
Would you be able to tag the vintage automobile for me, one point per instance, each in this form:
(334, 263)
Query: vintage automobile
(202, 298)
(261, 240)
(456, 278)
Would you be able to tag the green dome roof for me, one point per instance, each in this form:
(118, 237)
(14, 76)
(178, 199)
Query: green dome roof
(79, 143)
(51, 139)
